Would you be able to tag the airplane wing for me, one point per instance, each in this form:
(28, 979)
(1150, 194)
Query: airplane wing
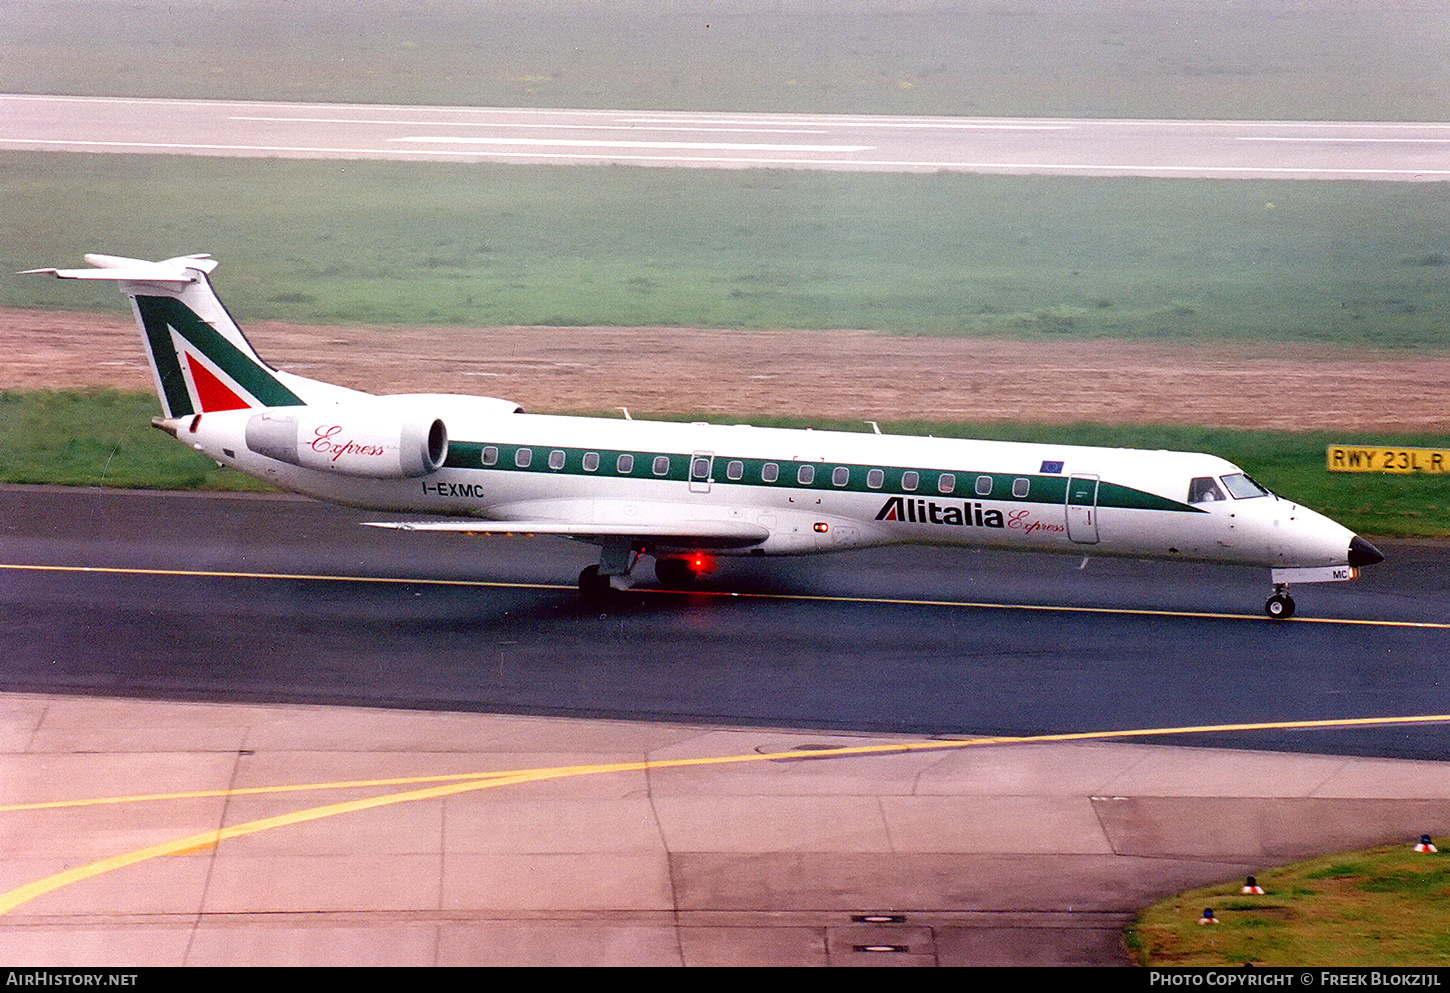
(695, 534)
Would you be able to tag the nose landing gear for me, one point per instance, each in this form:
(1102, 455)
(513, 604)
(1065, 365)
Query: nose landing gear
(1280, 606)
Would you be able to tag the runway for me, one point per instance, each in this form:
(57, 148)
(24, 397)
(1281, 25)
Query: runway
(798, 767)
(1324, 150)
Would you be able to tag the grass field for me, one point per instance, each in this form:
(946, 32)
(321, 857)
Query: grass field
(460, 245)
(1262, 59)
(100, 438)
(104, 438)
(1382, 907)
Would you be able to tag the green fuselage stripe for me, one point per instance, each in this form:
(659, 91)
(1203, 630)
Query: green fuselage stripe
(1041, 489)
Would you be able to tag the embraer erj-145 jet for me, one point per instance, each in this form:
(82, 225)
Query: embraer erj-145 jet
(684, 493)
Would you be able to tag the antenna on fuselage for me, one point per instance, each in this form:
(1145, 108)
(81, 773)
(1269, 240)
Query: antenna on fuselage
(626, 413)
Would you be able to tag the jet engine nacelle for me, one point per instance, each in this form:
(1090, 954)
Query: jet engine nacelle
(354, 440)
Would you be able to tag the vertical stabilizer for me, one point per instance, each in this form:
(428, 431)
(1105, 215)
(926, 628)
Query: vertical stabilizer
(200, 359)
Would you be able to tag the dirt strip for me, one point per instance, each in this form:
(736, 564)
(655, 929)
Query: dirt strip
(843, 374)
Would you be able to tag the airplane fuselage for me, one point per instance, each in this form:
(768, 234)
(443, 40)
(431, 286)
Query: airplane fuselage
(810, 491)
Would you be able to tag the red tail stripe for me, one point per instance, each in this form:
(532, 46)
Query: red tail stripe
(211, 392)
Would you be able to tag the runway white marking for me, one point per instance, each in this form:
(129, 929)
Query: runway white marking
(703, 146)
(515, 125)
(1345, 140)
(906, 123)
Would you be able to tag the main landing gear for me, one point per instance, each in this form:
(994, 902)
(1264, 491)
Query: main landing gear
(1280, 606)
(674, 574)
(616, 561)
(593, 584)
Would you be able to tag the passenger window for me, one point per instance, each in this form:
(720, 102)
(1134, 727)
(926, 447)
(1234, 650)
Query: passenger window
(591, 461)
(840, 476)
(769, 472)
(735, 470)
(909, 480)
(1204, 490)
(875, 478)
(806, 475)
(662, 465)
(700, 469)
(624, 465)
(490, 455)
(1021, 487)
(984, 486)
(556, 459)
(946, 483)
(524, 457)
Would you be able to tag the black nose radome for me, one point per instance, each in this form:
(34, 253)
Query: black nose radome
(1362, 552)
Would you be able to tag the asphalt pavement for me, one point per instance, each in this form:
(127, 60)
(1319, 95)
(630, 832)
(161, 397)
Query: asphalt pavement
(276, 737)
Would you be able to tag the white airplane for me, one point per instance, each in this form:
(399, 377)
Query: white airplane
(685, 493)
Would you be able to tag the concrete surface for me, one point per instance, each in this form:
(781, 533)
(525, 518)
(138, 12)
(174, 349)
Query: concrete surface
(984, 854)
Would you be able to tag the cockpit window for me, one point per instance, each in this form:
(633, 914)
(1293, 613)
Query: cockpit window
(1243, 487)
(1204, 490)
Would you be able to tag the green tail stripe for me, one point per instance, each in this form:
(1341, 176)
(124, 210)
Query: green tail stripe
(161, 314)
(163, 353)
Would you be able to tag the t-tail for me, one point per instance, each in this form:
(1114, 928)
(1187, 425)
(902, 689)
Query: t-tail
(200, 360)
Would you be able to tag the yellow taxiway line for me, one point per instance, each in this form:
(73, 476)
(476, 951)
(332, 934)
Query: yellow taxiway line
(808, 597)
(463, 783)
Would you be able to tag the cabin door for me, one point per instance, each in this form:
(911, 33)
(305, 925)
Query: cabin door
(701, 465)
(1082, 509)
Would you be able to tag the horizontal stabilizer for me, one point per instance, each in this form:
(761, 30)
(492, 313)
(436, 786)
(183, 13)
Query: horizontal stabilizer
(181, 270)
(701, 534)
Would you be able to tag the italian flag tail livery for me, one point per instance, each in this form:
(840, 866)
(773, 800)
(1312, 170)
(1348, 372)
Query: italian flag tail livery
(201, 361)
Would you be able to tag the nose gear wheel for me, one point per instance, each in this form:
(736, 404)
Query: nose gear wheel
(1280, 606)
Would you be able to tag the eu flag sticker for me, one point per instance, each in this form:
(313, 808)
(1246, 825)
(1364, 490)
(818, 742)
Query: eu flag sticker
(1051, 467)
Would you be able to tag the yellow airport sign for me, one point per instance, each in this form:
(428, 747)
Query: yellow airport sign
(1388, 458)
